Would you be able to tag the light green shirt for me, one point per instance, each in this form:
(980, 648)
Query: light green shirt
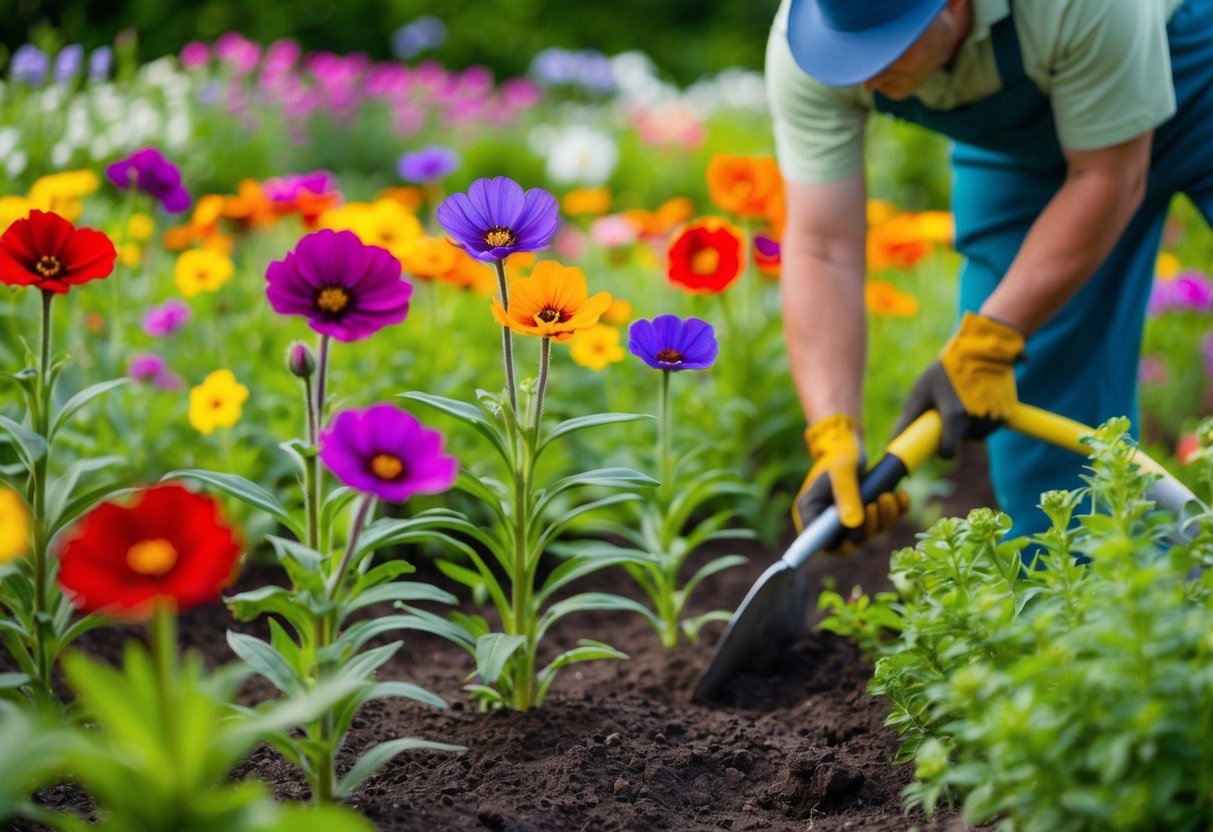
(1105, 65)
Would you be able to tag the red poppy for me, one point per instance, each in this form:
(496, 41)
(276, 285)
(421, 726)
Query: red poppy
(168, 545)
(707, 255)
(47, 251)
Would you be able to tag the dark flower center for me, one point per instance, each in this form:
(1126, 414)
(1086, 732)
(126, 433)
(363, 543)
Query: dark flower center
(669, 356)
(151, 557)
(548, 316)
(332, 299)
(499, 236)
(386, 466)
(48, 265)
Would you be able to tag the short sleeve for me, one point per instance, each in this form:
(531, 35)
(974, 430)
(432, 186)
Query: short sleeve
(1109, 72)
(818, 129)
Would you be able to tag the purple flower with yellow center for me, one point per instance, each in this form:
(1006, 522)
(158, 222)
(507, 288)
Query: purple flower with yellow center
(150, 172)
(428, 164)
(495, 218)
(671, 343)
(166, 319)
(345, 288)
(386, 452)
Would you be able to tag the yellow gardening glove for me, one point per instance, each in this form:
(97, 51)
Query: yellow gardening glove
(838, 461)
(971, 384)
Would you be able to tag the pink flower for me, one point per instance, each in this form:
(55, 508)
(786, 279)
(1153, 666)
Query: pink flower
(194, 55)
(613, 231)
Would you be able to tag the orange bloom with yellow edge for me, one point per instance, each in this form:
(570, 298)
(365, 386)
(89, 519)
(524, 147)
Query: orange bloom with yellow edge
(707, 255)
(884, 299)
(14, 525)
(596, 347)
(743, 185)
(668, 216)
(896, 243)
(554, 302)
(469, 273)
(591, 202)
(430, 258)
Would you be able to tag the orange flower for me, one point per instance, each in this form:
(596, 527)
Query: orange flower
(884, 299)
(896, 243)
(668, 215)
(618, 313)
(707, 255)
(552, 303)
(518, 262)
(249, 207)
(409, 198)
(202, 229)
(591, 201)
(743, 185)
(431, 258)
(469, 273)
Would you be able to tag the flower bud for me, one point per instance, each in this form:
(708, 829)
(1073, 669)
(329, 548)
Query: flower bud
(300, 360)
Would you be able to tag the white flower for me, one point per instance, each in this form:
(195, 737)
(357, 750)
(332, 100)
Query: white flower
(15, 163)
(582, 155)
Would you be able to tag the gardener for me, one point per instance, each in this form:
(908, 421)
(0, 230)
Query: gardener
(1075, 122)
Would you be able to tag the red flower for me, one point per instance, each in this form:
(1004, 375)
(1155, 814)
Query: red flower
(706, 256)
(47, 251)
(168, 545)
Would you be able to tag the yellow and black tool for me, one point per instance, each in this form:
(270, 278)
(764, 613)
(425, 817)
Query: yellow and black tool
(772, 616)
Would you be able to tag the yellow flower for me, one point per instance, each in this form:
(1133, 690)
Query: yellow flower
(14, 525)
(13, 208)
(1168, 266)
(552, 303)
(385, 223)
(130, 255)
(618, 313)
(202, 270)
(430, 258)
(586, 201)
(596, 347)
(140, 228)
(217, 402)
(62, 192)
(883, 298)
(880, 211)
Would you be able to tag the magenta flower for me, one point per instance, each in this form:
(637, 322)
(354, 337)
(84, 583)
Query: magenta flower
(344, 288)
(1189, 291)
(166, 319)
(672, 343)
(149, 368)
(428, 164)
(150, 172)
(288, 188)
(495, 219)
(386, 452)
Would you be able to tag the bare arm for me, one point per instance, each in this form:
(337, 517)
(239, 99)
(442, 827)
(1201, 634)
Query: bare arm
(1074, 234)
(823, 295)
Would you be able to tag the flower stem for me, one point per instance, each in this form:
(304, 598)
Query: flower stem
(545, 363)
(664, 456)
(520, 584)
(322, 372)
(507, 339)
(315, 419)
(163, 637)
(365, 508)
(311, 494)
(40, 479)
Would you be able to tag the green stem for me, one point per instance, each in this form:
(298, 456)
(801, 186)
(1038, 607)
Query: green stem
(322, 372)
(365, 508)
(507, 339)
(311, 495)
(163, 637)
(545, 363)
(664, 456)
(43, 658)
(520, 623)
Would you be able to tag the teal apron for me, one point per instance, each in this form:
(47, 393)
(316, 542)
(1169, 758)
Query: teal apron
(1007, 164)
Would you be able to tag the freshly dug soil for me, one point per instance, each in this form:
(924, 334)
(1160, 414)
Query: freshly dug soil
(619, 745)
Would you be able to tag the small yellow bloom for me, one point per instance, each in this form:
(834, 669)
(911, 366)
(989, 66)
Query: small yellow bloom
(586, 202)
(13, 208)
(140, 228)
(596, 347)
(14, 525)
(552, 303)
(130, 255)
(62, 192)
(385, 223)
(883, 298)
(430, 258)
(880, 211)
(618, 313)
(1168, 266)
(202, 270)
(217, 402)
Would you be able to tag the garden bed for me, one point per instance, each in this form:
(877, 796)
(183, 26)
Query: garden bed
(618, 745)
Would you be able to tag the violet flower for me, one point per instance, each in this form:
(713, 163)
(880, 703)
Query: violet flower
(166, 319)
(100, 62)
(68, 63)
(672, 343)
(495, 219)
(150, 172)
(149, 368)
(345, 288)
(386, 452)
(29, 65)
(428, 164)
(289, 187)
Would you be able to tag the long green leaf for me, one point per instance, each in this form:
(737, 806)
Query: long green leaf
(380, 755)
(492, 653)
(592, 601)
(587, 650)
(603, 477)
(398, 591)
(711, 568)
(246, 491)
(406, 690)
(76, 402)
(469, 414)
(266, 661)
(30, 446)
(583, 422)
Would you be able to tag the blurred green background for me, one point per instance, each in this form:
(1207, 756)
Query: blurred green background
(686, 38)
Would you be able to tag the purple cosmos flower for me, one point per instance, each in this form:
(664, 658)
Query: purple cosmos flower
(427, 164)
(29, 65)
(166, 319)
(150, 172)
(344, 288)
(672, 343)
(386, 452)
(495, 219)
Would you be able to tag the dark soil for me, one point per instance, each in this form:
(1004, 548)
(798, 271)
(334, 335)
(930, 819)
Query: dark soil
(619, 745)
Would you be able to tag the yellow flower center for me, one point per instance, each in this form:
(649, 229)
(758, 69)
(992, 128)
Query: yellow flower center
(705, 261)
(498, 236)
(669, 356)
(48, 266)
(151, 557)
(333, 299)
(386, 466)
(548, 316)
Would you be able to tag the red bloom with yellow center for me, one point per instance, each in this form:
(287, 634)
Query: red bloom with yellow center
(552, 303)
(707, 255)
(168, 546)
(47, 251)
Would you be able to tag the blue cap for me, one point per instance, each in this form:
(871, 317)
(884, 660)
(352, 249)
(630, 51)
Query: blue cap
(846, 42)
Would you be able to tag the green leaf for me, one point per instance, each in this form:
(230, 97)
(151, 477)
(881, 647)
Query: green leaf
(582, 565)
(468, 414)
(12, 681)
(363, 631)
(82, 398)
(266, 661)
(711, 568)
(360, 667)
(587, 650)
(381, 574)
(84, 502)
(592, 601)
(476, 487)
(61, 487)
(568, 517)
(397, 591)
(244, 490)
(406, 690)
(267, 599)
(288, 818)
(492, 653)
(583, 422)
(380, 755)
(30, 446)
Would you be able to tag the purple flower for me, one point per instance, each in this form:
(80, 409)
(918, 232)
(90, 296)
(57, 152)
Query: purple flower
(194, 55)
(69, 62)
(29, 65)
(154, 175)
(100, 63)
(166, 319)
(386, 452)
(289, 187)
(150, 368)
(344, 288)
(672, 343)
(424, 33)
(428, 164)
(495, 219)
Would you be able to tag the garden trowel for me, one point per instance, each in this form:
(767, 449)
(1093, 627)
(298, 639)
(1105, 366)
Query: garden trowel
(773, 614)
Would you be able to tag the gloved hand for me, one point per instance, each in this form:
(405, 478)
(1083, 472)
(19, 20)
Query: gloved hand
(971, 384)
(838, 461)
